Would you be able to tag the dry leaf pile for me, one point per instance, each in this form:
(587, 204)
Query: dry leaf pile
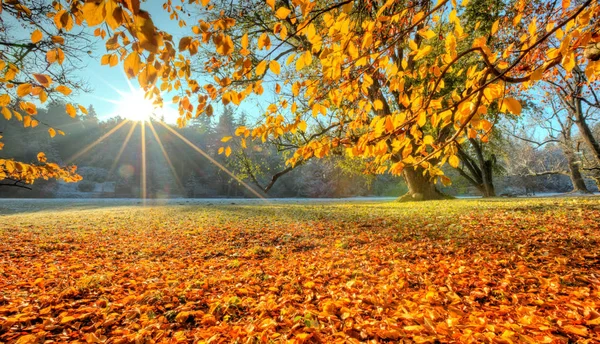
(518, 271)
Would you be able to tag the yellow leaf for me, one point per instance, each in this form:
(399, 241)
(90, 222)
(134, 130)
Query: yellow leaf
(132, 64)
(453, 161)
(282, 13)
(307, 56)
(511, 105)
(274, 67)
(495, 26)
(290, 59)
(264, 41)
(114, 14)
(422, 52)
(271, 4)
(225, 46)
(412, 45)
(4, 99)
(427, 34)
(113, 60)
(23, 90)
(428, 140)
(283, 33)
(27, 339)
(226, 138)
(303, 336)
(227, 151)
(28, 107)
(58, 40)
(6, 113)
(517, 19)
(67, 320)
(220, 151)
(64, 90)
(578, 330)
(36, 36)
(261, 68)
(41, 157)
(93, 12)
(55, 55)
(240, 131)
(311, 31)
(184, 43)
(378, 104)
(245, 41)
(568, 61)
(302, 126)
(71, 110)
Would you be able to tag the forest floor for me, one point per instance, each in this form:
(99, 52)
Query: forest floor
(502, 271)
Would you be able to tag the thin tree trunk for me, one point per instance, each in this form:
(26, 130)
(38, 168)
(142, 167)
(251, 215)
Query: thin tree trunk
(586, 132)
(486, 170)
(482, 174)
(488, 178)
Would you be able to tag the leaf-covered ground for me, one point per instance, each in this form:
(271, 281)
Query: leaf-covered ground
(454, 271)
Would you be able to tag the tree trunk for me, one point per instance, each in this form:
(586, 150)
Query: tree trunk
(585, 131)
(575, 173)
(597, 180)
(420, 188)
(482, 173)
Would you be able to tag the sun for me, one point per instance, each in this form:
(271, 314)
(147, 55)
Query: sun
(134, 106)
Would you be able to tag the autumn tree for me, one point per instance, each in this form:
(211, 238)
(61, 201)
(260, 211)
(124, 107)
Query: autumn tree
(557, 125)
(371, 76)
(37, 63)
(577, 97)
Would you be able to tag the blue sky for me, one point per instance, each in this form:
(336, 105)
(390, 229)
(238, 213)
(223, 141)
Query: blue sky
(108, 84)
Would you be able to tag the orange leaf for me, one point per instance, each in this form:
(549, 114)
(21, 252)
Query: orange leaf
(23, 90)
(282, 12)
(44, 80)
(71, 111)
(64, 90)
(36, 36)
(274, 67)
(6, 113)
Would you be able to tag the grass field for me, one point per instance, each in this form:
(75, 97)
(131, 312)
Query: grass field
(501, 271)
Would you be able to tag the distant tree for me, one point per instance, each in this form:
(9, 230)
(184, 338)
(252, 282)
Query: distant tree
(557, 125)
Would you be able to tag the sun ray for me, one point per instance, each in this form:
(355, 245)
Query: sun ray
(131, 88)
(122, 149)
(112, 101)
(164, 152)
(111, 84)
(144, 176)
(93, 144)
(216, 163)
